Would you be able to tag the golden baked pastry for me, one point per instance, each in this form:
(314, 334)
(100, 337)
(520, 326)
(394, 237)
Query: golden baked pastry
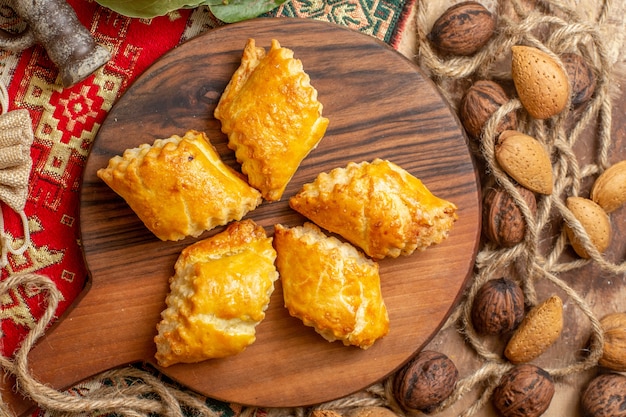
(218, 295)
(272, 117)
(179, 186)
(330, 286)
(377, 206)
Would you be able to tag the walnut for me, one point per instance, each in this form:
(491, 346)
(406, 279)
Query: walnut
(525, 391)
(503, 221)
(498, 307)
(479, 103)
(463, 29)
(424, 382)
(581, 77)
(614, 348)
(605, 396)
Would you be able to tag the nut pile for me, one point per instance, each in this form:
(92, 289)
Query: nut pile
(505, 119)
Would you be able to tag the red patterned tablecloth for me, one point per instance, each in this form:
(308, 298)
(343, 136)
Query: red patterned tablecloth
(66, 121)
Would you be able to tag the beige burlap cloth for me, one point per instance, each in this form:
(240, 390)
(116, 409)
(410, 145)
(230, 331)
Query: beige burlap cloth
(16, 137)
(552, 26)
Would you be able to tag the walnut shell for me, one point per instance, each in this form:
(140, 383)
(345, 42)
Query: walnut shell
(479, 103)
(614, 348)
(503, 221)
(498, 307)
(424, 382)
(581, 77)
(463, 29)
(525, 391)
(605, 396)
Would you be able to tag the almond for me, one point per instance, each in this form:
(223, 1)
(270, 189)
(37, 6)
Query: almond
(324, 413)
(609, 189)
(526, 160)
(594, 220)
(541, 83)
(370, 411)
(540, 328)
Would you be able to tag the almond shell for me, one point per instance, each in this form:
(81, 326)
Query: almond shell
(526, 160)
(541, 83)
(594, 220)
(540, 328)
(609, 189)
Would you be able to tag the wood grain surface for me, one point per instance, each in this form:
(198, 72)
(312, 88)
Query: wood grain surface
(380, 106)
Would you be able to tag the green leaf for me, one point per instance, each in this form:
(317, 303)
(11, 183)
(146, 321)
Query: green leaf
(147, 8)
(230, 11)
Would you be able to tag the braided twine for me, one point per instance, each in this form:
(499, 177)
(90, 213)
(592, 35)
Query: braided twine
(550, 26)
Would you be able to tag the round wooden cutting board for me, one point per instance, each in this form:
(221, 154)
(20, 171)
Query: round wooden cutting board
(380, 106)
